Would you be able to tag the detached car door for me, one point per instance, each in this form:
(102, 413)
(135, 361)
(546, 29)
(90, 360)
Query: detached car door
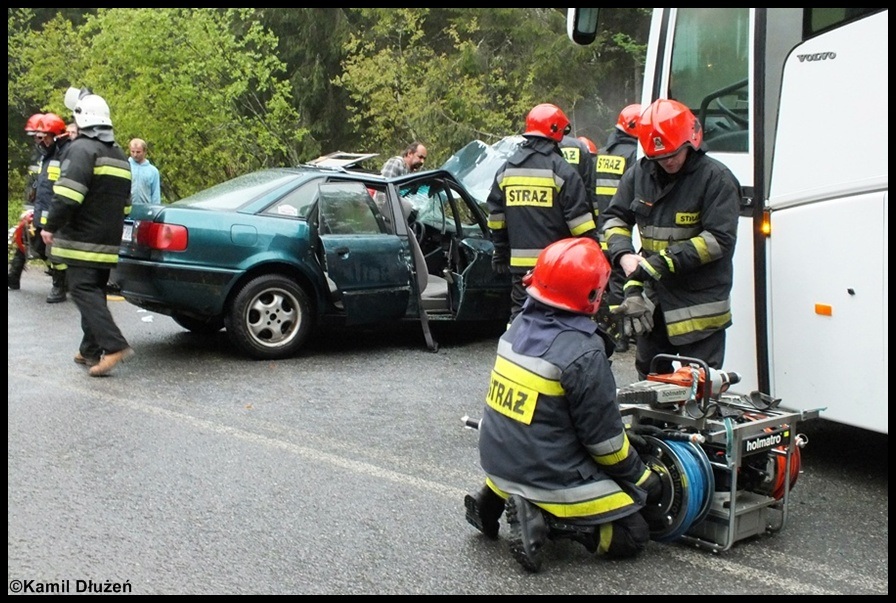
(367, 264)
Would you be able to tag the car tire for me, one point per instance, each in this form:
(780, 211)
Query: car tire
(200, 326)
(270, 317)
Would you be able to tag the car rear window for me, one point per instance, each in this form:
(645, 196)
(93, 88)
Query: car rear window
(239, 192)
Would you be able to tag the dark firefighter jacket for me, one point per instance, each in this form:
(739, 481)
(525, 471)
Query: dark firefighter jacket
(688, 227)
(619, 154)
(552, 431)
(89, 204)
(537, 198)
(46, 178)
(576, 154)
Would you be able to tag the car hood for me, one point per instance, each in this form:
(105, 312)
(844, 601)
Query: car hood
(476, 164)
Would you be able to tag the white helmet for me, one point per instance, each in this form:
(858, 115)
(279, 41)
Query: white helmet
(92, 110)
(73, 95)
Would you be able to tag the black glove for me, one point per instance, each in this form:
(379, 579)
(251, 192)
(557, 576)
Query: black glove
(637, 314)
(654, 487)
(500, 265)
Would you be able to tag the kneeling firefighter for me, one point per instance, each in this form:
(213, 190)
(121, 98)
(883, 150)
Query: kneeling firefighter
(552, 442)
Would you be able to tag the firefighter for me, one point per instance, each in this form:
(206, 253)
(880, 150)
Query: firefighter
(83, 229)
(578, 155)
(617, 156)
(536, 198)
(552, 442)
(25, 228)
(685, 205)
(592, 148)
(51, 137)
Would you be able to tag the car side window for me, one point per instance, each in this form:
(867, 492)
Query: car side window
(348, 208)
(296, 203)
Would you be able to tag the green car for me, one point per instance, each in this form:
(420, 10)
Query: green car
(274, 255)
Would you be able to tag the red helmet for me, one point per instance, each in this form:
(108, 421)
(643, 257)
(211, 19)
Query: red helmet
(592, 148)
(628, 119)
(547, 120)
(31, 126)
(666, 126)
(570, 274)
(51, 123)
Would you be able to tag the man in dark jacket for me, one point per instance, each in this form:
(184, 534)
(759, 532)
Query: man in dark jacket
(536, 198)
(685, 205)
(83, 229)
(613, 160)
(552, 442)
(577, 154)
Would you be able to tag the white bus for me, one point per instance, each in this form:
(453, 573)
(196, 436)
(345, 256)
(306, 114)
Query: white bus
(794, 101)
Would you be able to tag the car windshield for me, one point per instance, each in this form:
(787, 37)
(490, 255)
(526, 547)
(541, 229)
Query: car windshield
(242, 190)
(476, 164)
(435, 203)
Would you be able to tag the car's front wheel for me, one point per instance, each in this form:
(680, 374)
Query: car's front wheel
(270, 318)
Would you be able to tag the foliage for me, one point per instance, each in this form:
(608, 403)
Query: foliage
(203, 86)
(447, 76)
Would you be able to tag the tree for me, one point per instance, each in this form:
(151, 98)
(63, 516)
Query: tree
(203, 87)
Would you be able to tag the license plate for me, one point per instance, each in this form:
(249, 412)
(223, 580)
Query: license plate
(127, 233)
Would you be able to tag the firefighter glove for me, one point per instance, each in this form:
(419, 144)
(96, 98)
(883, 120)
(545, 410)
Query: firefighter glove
(637, 314)
(654, 487)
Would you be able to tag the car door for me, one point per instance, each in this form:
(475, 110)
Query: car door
(367, 265)
(463, 251)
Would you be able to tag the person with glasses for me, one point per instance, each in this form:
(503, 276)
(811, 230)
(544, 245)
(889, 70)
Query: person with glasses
(410, 160)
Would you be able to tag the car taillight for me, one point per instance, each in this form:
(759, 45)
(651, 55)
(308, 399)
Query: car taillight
(163, 237)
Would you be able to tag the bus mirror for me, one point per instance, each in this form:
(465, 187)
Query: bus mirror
(581, 25)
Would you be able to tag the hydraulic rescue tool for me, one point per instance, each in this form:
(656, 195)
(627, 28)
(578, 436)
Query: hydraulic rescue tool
(727, 461)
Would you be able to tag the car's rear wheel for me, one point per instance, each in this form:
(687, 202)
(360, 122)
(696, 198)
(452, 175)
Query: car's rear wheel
(270, 317)
(202, 326)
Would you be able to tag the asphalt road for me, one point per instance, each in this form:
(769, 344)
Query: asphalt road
(192, 470)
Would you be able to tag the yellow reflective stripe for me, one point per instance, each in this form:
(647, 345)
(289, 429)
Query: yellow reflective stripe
(612, 458)
(86, 256)
(539, 181)
(606, 190)
(515, 372)
(596, 506)
(649, 269)
(582, 224)
(111, 170)
(694, 325)
(643, 478)
(523, 262)
(496, 224)
(68, 193)
(632, 283)
(617, 230)
(702, 250)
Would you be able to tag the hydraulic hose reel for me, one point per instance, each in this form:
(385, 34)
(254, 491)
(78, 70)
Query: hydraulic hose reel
(727, 462)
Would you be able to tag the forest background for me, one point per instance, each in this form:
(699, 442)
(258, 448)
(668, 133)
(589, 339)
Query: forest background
(220, 92)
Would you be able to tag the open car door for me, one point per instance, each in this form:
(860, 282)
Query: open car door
(365, 262)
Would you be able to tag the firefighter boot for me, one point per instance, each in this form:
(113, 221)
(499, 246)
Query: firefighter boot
(57, 293)
(14, 274)
(528, 532)
(484, 509)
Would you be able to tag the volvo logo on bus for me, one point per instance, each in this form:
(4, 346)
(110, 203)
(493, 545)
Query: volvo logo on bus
(818, 56)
